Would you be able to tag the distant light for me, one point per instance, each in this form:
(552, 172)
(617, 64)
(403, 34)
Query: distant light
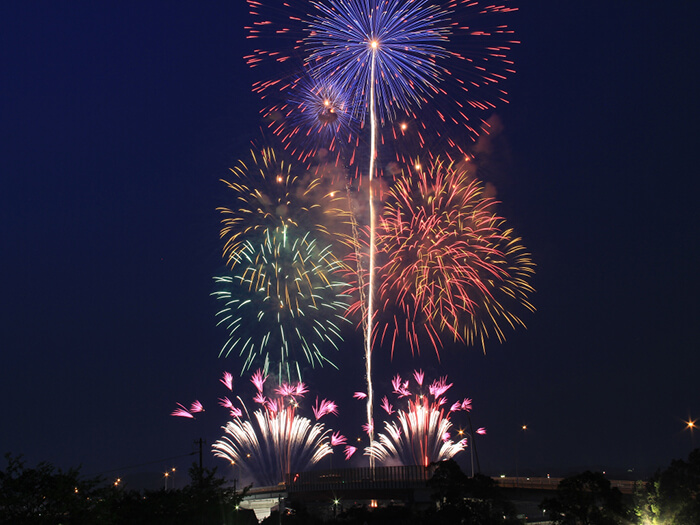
(374, 44)
(403, 126)
(279, 178)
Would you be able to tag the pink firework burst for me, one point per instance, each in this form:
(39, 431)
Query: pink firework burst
(439, 387)
(387, 406)
(258, 379)
(181, 411)
(227, 380)
(338, 439)
(325, 407)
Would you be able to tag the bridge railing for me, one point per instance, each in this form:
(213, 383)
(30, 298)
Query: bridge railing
(400, 477)
(625, 486)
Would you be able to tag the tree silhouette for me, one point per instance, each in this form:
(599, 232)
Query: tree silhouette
(586, 499)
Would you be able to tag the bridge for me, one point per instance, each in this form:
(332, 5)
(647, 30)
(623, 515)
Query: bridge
(624, 486)
(379, 486)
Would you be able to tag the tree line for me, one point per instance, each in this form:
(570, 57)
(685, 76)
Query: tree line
(44, 495)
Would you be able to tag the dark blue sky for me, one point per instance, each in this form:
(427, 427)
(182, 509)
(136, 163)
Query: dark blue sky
(119, 118)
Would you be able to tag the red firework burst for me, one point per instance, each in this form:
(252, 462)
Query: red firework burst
(450, 268)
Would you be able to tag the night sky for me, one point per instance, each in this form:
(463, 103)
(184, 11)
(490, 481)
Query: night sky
(119, 118)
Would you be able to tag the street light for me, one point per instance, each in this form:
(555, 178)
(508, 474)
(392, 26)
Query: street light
(460, 433)
(166, 475)
(517, 437)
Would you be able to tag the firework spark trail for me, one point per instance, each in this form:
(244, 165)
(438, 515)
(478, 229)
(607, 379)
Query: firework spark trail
(420, 435)
(372, 250)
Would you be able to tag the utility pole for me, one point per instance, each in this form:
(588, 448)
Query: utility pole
(200, 442)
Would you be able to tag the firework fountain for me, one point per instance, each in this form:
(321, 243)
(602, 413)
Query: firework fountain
(276, 440)
(421, 433)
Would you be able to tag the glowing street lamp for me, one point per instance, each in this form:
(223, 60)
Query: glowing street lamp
(166, 475)
(523, 428)
(691, 425)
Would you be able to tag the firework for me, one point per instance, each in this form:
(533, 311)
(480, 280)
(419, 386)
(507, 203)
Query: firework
(391, 58)
(452, 268)
(391, 53)
(436, 62)
(182, 411)
(268, 194)
(405, 40)
(420, 434)
(416, 57)
(314, 120)
(282, 304)
(277, 440)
